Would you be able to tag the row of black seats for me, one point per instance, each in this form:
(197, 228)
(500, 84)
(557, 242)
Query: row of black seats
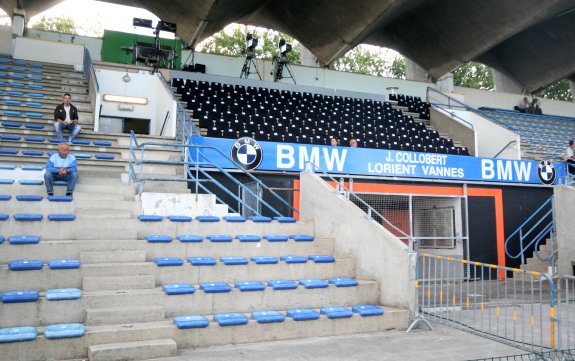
(231, 111)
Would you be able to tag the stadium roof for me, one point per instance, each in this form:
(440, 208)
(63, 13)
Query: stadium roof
(531, 41)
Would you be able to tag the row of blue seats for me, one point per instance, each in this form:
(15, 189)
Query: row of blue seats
(35, 198)
(23, 103)
(16, 69)
(18, 93)
(36, 217)
(27, 333)
(239, 219)
(162, 238)
(236, 260)
(34, 139)
(37, 153)
(248, 286)
(29, 77)
(13, 84)
(18, 240)
(297, 314)
(36, 264)
(56, 294)
(7, 59)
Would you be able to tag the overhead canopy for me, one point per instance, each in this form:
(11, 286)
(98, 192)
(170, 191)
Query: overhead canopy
(531, 41)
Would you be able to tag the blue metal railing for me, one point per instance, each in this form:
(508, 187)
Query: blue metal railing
(434, 98)
(536, 228)
(196, 171)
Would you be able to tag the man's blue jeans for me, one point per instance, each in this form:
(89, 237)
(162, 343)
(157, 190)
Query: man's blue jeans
(74, 129)
(70, 179)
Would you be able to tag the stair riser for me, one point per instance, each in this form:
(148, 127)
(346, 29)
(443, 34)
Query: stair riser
(117, 283)
(105, 316)
(75, 230)
(112, 257)
(133, 351)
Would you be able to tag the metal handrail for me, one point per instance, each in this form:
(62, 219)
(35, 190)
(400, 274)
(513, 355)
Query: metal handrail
(370, 209)
(449, 105)
(198, 166)
(505, 147)
(545, 227)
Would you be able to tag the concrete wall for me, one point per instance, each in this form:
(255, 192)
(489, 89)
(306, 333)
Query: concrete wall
(490, 137)
(456, 129)
(141, 84)
(94, 45)
(481, 98)
(6, 39)
(378, 254)
(564, 200)
(48, 51)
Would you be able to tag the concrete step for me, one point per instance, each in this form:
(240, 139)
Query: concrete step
(122, 298)
(254, 272)
(104, 213)
(77, 230)
(105, 269)
(122, 315)
(138, 350)
(112, 256)
(39, 280)
(118, 283)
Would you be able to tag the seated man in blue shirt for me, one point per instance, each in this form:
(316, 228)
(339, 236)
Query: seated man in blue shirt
(61, 166)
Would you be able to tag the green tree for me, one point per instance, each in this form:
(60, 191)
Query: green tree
(474, 75)
(557, 91)
(59, 24)
(365, 60)
(234, 43)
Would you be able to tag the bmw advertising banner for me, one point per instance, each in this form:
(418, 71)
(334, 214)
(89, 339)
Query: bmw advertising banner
(290, 157)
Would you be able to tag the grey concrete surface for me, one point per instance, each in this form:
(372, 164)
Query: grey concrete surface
(444, 343)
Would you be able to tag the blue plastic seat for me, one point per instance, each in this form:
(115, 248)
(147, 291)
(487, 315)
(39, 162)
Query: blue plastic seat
(14, 113)
(230, 319)
(8, 151)
(64, 264)
(81, 142)
(215, 287)
(31, 182)
(275, 238)
(9, 137)
(32, 167)
(25, 265)
(294, 259)
(282, 284)
(302, 314)
(34, 115)
(28, 217)
(158, 238)
(34, 104)
(33, 153)
(82, 155)
(1, 239)
(18, 334)
(11, 124)
(20, 296)
(29, 198)
(4, 216)
(260, 219)
(192, 321)
(237, 219)
(265, 260)
(336, 312)
(6, 181)
(367, 310)
(178, 289)
(310, 283)
(246, 286)
(208, 218)
(24, 239)
(12, 102)
(234, 261)
(102, 143)
(7, 166)
(202, 261)
(248, 238)
(180, 218)
(60, 198)
(268, 316)
(150, 218)
(319, 258)
(64, 330)
(62, 217)
(185, 238)
(56, 141)
(104, 156)
(285, 219)
(219, 238)
(34, 126)
(5, 197)
(343, 282)
(63, 294)
(35, 95)
(168, 261)
(302, 237)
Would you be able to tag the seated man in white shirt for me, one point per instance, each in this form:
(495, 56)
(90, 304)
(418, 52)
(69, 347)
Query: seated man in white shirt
(66, 117)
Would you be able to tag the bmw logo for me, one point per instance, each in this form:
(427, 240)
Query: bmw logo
(247, 152)
(546, 172)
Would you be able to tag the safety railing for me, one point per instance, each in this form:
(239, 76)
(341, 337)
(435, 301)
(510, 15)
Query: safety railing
(440, 100)
(197, 166)
(566, 313)
(530, 234)
(518, 311)
(371, 212)
(558, 355)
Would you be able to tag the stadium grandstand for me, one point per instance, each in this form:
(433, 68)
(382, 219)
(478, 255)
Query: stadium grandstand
(213, 209)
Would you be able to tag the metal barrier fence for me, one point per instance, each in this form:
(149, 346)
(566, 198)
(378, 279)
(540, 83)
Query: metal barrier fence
(566, 313)
(559, 355)
(501, 303)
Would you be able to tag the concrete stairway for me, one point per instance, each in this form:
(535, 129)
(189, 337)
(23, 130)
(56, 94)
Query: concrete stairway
(534, 264)
(126, 314)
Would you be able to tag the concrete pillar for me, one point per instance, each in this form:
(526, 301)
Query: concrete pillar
(18, 23)
(414, 72)
(446, 83)
(506, 84)
(307, 58)
(572, 86)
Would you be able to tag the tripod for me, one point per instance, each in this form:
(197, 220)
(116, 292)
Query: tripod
(246, 69)
(282, 63)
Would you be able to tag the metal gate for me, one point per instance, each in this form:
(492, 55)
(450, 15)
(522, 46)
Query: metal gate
(250, 203)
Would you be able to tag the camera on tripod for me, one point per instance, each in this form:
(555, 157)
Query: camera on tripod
(251, 44)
